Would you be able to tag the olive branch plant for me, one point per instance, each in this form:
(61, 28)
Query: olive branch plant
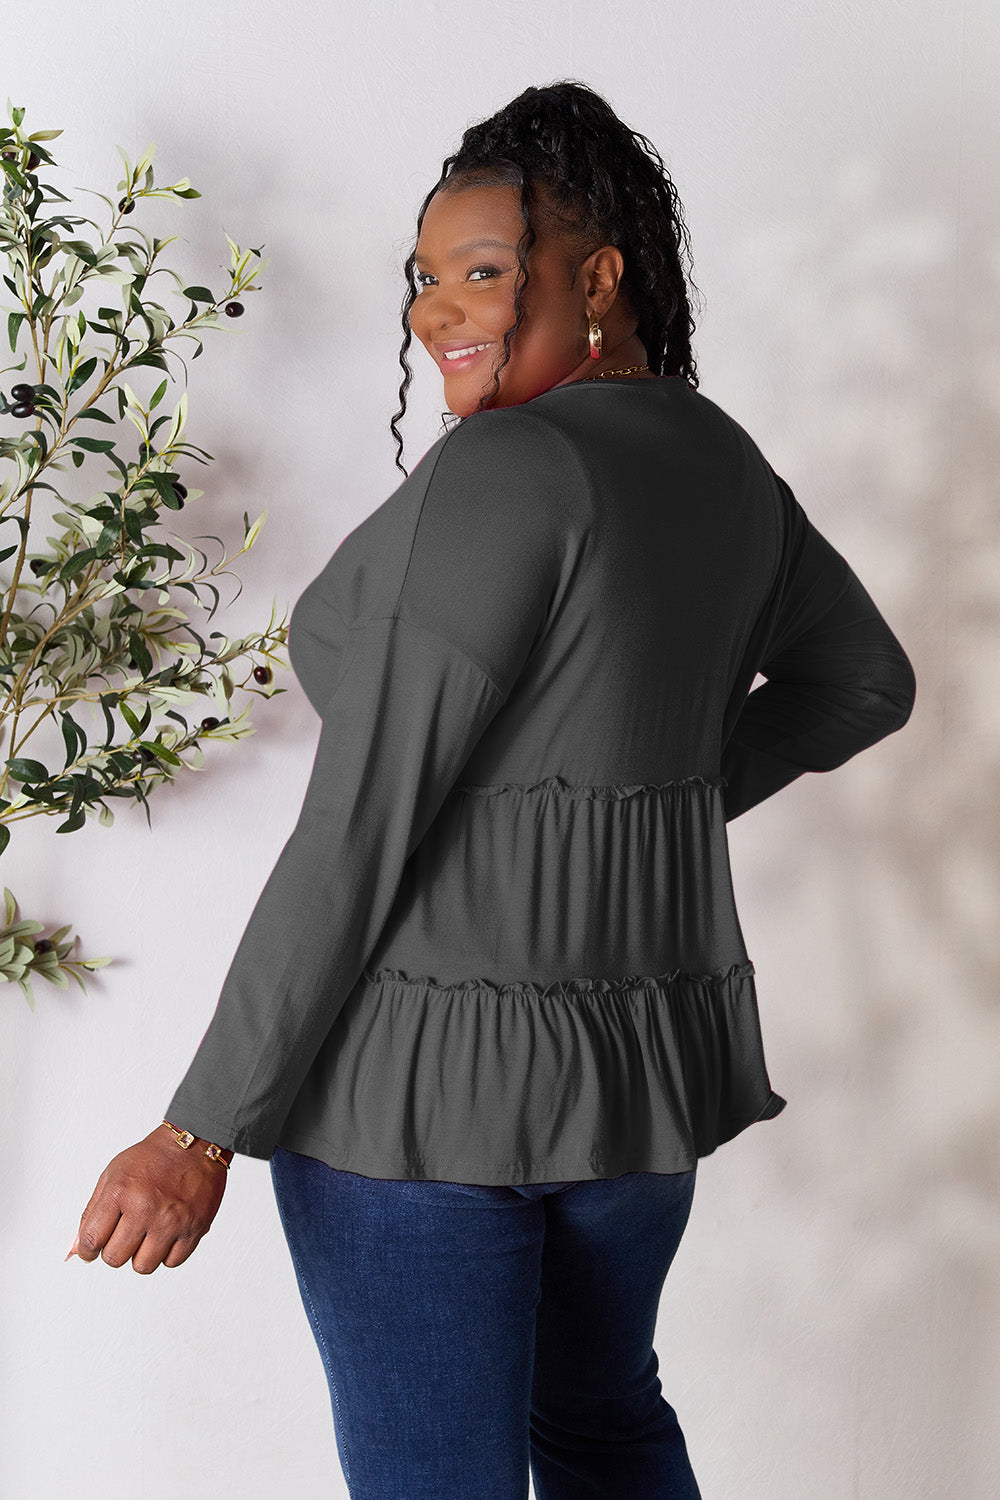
(90, 620)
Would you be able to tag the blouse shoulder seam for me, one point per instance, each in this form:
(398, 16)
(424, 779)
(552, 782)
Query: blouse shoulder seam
(519, 413)
(416, 524)
(553, 427)
(444, 640)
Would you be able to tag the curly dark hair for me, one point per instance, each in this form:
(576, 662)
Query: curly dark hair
(601, 184)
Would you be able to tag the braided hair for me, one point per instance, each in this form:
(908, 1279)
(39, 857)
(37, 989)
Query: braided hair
(601, 184)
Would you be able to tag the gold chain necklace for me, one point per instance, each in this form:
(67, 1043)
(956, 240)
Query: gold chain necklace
(628, 370)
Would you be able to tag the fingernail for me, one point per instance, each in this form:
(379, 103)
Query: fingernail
(72, 1249)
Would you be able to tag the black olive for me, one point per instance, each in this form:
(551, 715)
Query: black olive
(38, 565)
(22, 409)
(33, 161)
(126, 205)
(234, 309)
(210, 723)
(43, 946)
(262, 674)
(22, 392)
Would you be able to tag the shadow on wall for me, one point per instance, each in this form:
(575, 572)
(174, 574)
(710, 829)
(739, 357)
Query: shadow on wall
(885, 389)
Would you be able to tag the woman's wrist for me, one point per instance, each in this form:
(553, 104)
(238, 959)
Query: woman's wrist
(187, 1140)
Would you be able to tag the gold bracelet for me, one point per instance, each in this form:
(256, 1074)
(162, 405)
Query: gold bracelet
(185, 1138)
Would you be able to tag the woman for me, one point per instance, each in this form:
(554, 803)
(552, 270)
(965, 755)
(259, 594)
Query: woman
(494, 1003)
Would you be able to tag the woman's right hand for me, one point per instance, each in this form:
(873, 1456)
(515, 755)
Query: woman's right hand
(152, 1204)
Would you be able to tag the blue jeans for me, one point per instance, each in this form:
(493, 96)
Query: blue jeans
(468, 1331)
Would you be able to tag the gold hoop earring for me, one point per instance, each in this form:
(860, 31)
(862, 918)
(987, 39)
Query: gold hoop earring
(595, 336)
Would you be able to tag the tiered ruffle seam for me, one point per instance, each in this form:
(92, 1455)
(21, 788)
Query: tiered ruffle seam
(612, 791)
(565, 987)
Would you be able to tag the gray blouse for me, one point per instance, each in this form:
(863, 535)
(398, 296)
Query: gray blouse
(501, 943)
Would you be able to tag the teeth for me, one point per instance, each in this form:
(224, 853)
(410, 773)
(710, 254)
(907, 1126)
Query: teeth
(461, 353)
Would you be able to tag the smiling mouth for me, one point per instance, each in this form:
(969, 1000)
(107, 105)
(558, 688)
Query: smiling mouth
(461, 358)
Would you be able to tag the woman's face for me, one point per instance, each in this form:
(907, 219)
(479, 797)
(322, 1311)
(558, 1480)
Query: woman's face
(466, 268)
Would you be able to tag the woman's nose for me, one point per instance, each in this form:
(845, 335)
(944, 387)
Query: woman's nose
(442, 309)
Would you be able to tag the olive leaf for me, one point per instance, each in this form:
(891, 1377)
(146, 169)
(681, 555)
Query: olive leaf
(94, 641)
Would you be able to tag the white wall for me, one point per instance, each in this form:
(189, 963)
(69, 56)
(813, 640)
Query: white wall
(830, 1325)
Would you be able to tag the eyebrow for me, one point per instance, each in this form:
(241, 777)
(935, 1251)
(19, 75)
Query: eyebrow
(472, 245)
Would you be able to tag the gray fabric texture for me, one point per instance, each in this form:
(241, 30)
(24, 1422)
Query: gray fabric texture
(501, 943)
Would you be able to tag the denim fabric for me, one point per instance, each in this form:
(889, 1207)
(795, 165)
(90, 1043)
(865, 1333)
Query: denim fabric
(468, 1332)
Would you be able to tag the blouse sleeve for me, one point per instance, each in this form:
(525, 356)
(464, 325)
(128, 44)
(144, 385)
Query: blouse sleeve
(422, 673)
(838, 680)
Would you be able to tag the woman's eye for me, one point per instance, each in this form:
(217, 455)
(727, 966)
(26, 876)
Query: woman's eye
(422, 277)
